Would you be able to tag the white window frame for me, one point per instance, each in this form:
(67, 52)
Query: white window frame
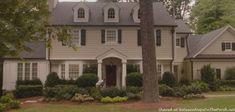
(30, 70)
(230, 44)
(74, 77)
(106, 36)
(113, 14)
(73, 35)
(62, 71)
(20, 72)
(179, 42)
(161, 72)
(81, 15)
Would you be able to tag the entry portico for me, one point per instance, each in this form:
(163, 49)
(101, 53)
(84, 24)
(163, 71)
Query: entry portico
(112, 67)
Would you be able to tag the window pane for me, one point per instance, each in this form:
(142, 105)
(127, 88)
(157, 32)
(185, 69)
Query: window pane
(20, 71)
(81, 13)
(177, 42)
(73, 71)
(111, 36)
(62, 71)
(228, 46)
(111, 13)
(34, 71)
(133, 68)
(75, 37)
(27, 71)
(90, 68)
(159, 71)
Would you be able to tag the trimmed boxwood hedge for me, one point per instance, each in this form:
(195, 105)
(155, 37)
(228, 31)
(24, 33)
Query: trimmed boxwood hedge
(87, 80)
(134, 79)
(23, 91)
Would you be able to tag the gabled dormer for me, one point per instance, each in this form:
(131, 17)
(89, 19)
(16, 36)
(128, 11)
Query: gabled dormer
(136, 14)
(81, 13)
(111, 12)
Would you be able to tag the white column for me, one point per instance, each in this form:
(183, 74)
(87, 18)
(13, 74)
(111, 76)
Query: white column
(141, 66)
(124, 74)
(100, 70)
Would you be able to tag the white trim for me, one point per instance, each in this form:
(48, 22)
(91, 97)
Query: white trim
(215, 38)
(106, 33)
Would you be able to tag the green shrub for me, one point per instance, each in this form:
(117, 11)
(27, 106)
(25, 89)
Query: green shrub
(194, 96)
(207, 74)
(23, 91)
(29, 82)
(2, 107)
(168, 79)
(229, 83)
(112, 92)
(133, 89)
(226, 88)
(204, 87)
(114, 100)
(82, 98)
(134, 79)
(95, 93)
(87, 80)
(67, 82)
(52, 80)
(63, 92)
(180, 91)
(132, 96)
(230, 73)
(184, 82)
(165, 90)
(14, 104)
(214, 86)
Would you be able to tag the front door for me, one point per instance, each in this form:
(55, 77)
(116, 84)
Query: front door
(111, 75)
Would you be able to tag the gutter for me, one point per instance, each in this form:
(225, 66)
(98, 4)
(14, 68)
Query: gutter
(173, 48)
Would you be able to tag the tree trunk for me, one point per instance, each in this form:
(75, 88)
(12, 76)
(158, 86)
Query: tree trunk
(1, 75)
(150, 78)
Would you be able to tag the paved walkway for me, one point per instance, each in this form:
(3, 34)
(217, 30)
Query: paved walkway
(222, 95)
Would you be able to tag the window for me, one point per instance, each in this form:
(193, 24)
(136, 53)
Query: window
(111, 13)
(20, 71)
(159, 71)
(218, 73)
(158, 37)
(133, 68)
(111, 36)
(75, 34)
(228, 46)
(90, 68)
(81, 13)
(34, 71)
(73, 71)
(62, 72)
(178, 42)
(27, 71)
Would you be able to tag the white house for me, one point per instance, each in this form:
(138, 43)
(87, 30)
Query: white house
(108, 37)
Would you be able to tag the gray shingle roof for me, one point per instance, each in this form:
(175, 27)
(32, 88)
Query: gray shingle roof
(182, 27)
(63, 14)
(199, 42)
(38, 51)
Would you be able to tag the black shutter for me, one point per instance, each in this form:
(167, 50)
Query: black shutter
(102, 36)
(119, 36)
(182, 42)
(158, 37)
(83, 37)
(223, 46)
(139, 37)
(233, 46)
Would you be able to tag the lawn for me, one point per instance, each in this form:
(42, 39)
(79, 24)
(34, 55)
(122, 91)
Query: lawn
(211, 102)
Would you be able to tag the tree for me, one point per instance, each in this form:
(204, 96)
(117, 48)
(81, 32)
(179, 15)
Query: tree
(24, 21)
(150, 78)
(208, 15)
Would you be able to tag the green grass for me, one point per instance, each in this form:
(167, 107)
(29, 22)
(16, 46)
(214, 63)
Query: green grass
(212, 102)
(79, 108)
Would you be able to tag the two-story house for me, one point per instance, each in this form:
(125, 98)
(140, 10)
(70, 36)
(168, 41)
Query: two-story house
(108, 40)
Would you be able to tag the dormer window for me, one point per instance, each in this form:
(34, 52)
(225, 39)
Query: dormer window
(111, 13)
(81, 13)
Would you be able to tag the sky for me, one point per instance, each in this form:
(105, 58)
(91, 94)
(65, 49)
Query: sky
(75, 0)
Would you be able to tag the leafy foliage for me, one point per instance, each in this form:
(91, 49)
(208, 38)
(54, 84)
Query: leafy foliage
(134, 79)
(230, 73)
(23, 91)
(29, 82)
(208, 15)
(8, 102)
(207, 74)
(87, 80)
(113, 100)
(52, 80)
(112, 92)
(168, 79)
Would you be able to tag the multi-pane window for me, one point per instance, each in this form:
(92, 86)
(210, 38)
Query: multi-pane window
(227, 46)
(34, 71)
(111, 36)
(158, 37)
(73, 71)
(27, 71)
(20, 71)
(62, 72)
(130, 68)
(75, 34)
(218, 73)
(111, 13)
(178, 42)
(90, 68)
(81, 13)
(159, 70)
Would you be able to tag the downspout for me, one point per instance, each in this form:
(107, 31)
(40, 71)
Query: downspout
(190, 59)
(173, 48)
(1, 76)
